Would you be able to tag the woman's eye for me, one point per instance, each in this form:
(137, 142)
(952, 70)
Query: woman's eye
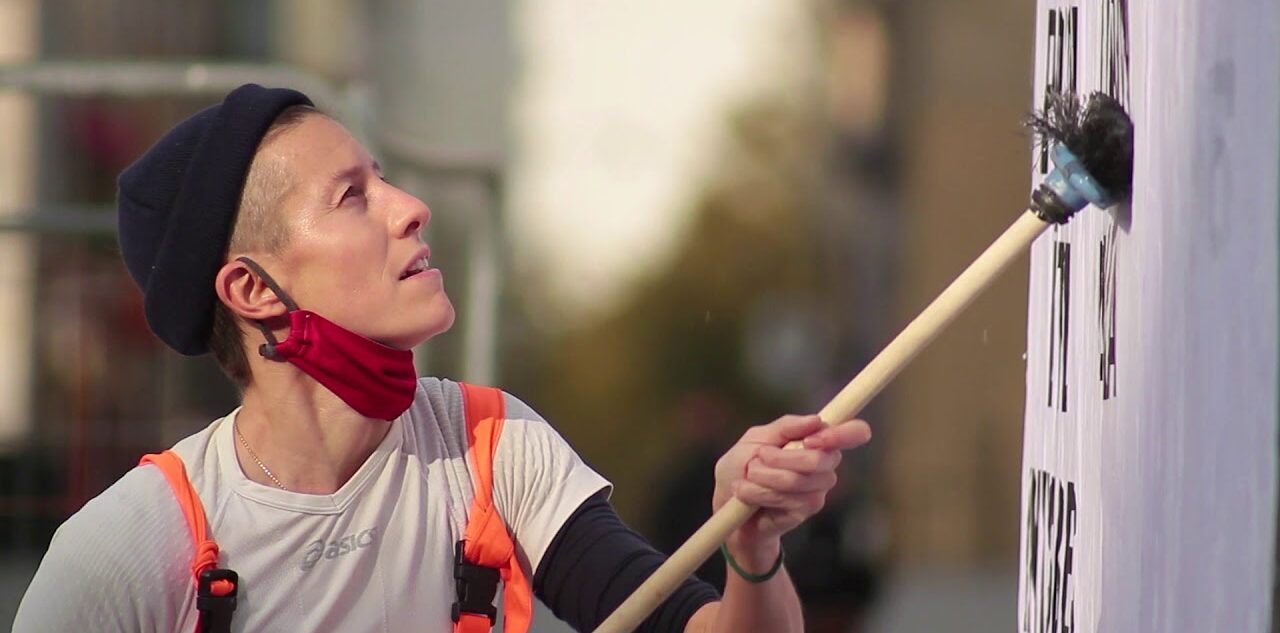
(352, 192)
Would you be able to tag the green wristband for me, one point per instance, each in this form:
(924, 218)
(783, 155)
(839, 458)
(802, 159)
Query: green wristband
(748, 576)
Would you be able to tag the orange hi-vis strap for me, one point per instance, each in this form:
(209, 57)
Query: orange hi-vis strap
(215, 591)
(486, 540)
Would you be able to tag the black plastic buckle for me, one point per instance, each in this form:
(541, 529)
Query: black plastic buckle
(477, 586)
(215, 611)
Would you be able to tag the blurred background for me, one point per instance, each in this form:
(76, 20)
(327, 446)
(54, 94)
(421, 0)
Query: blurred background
(661, 222)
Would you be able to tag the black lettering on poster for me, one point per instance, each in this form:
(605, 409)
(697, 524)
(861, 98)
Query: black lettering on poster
(1114, 60)
(1060, 60)
(1114, 75)
(1048, 558)
(1107, 314)
(1059, 323)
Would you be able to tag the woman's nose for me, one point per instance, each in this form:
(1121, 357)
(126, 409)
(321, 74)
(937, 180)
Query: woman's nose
(413, 216)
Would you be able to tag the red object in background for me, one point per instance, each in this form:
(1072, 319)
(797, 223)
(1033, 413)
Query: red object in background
(107, 135)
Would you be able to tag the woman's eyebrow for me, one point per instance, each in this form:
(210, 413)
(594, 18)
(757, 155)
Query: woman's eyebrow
(352, 173)
(342, 175)
(347, 174)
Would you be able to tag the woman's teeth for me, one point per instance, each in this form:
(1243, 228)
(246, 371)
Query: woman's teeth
(417, 267)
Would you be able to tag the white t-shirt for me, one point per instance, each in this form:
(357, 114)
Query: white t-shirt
(374, 556)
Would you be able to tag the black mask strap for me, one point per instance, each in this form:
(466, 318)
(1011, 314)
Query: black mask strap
(268, 349)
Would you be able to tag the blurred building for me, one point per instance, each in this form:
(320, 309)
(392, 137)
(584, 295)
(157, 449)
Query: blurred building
(963, 77)
(18, 43)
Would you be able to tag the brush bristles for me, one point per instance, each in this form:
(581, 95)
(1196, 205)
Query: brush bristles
(1100, 134)
(1058, 122)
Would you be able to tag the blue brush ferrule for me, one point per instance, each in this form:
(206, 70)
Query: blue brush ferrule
(1073, 184)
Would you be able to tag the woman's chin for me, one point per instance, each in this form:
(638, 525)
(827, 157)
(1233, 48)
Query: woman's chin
(437, 323)
(443, 325)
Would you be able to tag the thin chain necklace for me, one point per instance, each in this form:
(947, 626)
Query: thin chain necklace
(245, 444)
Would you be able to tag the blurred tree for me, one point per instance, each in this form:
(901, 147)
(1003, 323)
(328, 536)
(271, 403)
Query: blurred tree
(612, 386)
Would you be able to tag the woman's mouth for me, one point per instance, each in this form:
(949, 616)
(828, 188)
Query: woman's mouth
(419, 266)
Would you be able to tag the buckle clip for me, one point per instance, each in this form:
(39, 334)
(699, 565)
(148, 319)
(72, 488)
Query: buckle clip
(216, 598)
(477, 586)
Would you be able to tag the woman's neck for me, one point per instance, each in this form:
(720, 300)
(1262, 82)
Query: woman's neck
(307, 437)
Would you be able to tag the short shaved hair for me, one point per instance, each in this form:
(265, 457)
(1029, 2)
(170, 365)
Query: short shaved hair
(259, 225)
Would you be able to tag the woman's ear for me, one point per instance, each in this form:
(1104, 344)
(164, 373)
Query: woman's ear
(246, 294)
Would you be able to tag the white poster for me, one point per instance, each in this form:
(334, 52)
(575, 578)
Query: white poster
(1150, 451)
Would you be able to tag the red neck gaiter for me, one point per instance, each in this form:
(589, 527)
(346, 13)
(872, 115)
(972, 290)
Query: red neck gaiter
(375, 380)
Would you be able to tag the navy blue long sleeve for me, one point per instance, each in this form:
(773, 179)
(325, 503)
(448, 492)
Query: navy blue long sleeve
(595, 561)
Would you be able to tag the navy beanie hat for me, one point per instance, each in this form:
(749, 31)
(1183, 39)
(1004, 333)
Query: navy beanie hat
(177, 204)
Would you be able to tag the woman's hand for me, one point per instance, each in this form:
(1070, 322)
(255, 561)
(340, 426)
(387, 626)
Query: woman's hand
(788, 485)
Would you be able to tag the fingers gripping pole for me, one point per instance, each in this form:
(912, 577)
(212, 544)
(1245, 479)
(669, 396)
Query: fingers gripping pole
(844, 406)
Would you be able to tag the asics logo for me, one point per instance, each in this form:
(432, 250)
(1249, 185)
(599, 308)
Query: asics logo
(320, 549)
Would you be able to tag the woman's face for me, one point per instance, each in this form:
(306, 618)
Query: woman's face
(354, 253)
